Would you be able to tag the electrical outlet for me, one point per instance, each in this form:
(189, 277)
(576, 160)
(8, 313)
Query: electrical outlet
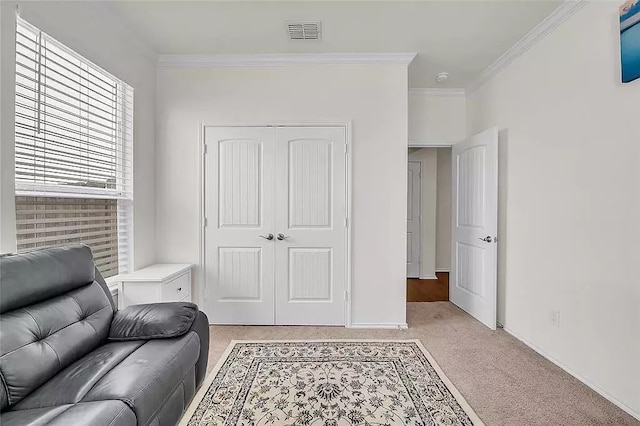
(555, 318)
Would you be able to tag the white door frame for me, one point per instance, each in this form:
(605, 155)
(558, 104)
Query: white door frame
(417, 144)
(419, 217)
(200, 282)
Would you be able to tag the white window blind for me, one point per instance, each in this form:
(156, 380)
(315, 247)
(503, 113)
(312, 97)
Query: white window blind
(73, 151)
(52, 221)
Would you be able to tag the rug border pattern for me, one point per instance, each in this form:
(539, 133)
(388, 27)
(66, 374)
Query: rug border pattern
(226, 359)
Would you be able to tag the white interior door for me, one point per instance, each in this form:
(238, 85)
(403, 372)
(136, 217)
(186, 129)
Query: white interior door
(414, 208)
(310, 258)
(239, 261)
(473, 280)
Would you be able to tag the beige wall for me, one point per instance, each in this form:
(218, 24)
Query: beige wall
(92, 30)
(429, 169)
(7, 113)
(443, 215)
(570, 203)
(439, 119)
(373, 98)
(436, 209)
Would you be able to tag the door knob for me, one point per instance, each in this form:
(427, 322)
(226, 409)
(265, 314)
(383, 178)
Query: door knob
(268, 237)
(282, 237)
(486, 239)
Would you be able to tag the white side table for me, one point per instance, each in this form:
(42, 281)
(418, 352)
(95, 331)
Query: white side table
(156, 283)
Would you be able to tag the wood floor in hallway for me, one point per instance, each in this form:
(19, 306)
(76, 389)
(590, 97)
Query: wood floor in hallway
(429, 290)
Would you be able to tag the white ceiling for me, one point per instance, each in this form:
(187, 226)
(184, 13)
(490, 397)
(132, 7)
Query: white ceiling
(460, 37)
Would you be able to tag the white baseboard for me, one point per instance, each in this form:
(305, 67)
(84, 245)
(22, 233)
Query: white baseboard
(442, 270)
(429, 277)
(600, 391)
(401, 326)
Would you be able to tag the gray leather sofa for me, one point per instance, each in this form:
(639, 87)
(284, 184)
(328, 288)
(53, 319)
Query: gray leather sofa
(68, 357)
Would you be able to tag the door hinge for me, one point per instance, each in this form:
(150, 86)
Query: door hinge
(204, 150)
(346, 148)
(205, 222)
(346, 296)
(346, 222)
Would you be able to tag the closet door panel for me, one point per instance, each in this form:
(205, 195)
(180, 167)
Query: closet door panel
(239, 208)
(310, 257)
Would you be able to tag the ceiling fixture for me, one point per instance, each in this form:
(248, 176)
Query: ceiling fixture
(442, 77)
(304, 30)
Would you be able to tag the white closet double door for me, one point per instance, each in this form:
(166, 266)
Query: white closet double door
(275, 235)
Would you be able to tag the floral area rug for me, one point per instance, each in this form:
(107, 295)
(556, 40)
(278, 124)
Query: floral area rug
(328, 383)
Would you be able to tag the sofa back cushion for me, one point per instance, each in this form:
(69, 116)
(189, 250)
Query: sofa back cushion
(38, 275)
(52, 312)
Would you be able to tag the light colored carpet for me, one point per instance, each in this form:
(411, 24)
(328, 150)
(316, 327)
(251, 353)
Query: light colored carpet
(504, 381)
(328, 383)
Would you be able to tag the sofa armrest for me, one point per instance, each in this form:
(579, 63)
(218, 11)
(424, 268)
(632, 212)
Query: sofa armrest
(152, 321)
(201, 327)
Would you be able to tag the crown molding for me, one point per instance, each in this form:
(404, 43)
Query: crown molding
(284, 60)
(438, 93)
(563, 12)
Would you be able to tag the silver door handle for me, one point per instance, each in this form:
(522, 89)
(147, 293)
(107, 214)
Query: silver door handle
(486, 239)
(268, 237)
(282, 237)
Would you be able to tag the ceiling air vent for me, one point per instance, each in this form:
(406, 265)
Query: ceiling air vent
(304, 30)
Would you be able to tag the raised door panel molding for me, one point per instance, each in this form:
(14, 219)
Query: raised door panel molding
(470, 261)
(310, 172)
(470, 180)
(239, 273)
(310, 274)
(240, 180)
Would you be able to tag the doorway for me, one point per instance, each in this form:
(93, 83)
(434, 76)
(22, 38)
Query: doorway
(276, 234)
(472, 227)
(428, 224)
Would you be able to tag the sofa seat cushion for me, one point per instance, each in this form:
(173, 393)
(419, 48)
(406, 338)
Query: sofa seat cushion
(77, 379)
(112, 413)
(146, 378)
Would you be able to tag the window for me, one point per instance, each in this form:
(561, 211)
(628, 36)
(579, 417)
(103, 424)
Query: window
(73, 152)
